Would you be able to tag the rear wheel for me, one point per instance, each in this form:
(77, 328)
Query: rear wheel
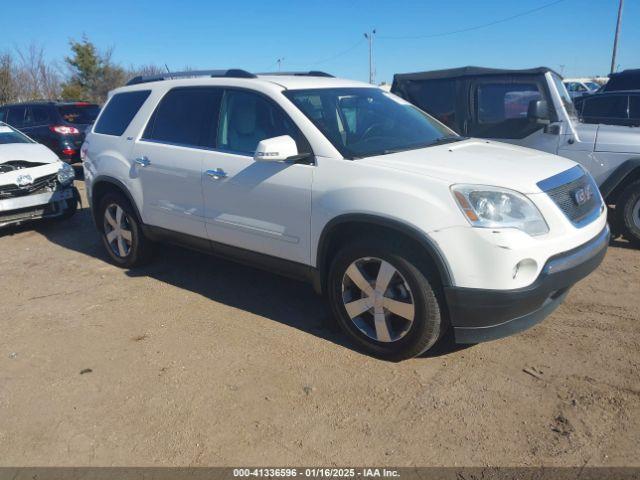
(384, 299)
(122, 234)
(628, 212)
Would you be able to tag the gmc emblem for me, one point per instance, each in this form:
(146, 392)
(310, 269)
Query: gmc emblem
(583, 195)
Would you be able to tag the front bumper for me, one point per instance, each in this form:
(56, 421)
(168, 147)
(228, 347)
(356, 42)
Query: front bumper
(25, 208)
(479, 315)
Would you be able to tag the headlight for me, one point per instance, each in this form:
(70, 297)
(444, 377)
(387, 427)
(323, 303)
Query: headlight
(495, 207)
(66, 174)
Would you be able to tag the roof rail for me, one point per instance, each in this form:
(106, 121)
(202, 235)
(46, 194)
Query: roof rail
(232, 72)
(311, 73)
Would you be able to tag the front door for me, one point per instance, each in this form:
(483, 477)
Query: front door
(500, 108)
(259, 206)
(168, 158)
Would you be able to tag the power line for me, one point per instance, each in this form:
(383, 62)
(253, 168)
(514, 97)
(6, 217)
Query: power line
(340, 54)
(476, 27)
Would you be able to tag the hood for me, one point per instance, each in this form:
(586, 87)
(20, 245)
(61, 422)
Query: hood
(476, 161)
(618, 139)
(30, 152)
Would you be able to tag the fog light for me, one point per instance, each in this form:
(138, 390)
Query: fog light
(525, 268)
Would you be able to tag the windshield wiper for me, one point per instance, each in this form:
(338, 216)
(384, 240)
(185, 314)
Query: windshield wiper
(448, 139)
(438, 141)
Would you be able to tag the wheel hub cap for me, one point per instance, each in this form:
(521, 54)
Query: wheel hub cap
(117, 230)
(377, 299)
(636, 214)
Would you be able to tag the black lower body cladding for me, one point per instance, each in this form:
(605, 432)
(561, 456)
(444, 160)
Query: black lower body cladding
(479, 315)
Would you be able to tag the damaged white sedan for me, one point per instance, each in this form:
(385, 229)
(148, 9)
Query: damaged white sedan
(34, 182)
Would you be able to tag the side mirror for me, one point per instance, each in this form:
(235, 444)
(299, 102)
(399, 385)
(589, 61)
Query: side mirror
(276, 149)
(538, 112)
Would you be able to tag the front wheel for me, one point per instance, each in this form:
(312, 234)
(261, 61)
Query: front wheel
(121, 232)
(628, 210)
(382, 297)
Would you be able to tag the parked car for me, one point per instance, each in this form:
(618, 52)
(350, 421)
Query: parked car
(57, 125)
(34, 183)
(578, 89)
(479, 102)
(625, 80)
(406, 227)
(611, 108)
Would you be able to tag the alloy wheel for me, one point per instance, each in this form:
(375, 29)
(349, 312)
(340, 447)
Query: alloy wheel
(117, 230)
(378, 299)
(635, 215)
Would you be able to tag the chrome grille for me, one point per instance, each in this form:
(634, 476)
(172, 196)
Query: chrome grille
(569, 191)
(39, 185)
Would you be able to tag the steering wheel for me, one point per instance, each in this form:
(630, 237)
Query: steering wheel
(371, 129)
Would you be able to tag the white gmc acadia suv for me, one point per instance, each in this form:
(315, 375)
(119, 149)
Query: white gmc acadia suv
(409, 230)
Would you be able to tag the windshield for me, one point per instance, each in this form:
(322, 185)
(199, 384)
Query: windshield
(564, 96)
(9, 135)
(592, 85)
(362, 122)
(79, 113)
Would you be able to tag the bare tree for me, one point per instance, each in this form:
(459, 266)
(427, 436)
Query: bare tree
(8, 84)
(35, 77)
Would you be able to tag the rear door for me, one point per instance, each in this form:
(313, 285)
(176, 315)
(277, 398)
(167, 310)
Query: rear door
(17, 116)
(37, 126)
(168, 158)
(634, 110)
(500, 110)
(259, 206)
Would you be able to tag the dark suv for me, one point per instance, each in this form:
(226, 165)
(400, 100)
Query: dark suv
(58, 125)
(613, 108)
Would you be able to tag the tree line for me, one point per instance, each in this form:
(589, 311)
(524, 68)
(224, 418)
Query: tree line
(86, 74)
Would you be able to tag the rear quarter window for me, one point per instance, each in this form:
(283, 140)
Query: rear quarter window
(436, 97)
(79, 113)
(119, 112)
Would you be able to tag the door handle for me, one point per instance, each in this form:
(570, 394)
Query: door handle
(216, 174)
(142, 161)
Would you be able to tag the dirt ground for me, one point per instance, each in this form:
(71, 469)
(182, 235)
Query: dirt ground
(198, 361)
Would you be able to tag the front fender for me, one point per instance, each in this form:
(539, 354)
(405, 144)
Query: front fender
(618, 176)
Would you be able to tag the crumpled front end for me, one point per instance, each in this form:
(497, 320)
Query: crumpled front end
(31, 192)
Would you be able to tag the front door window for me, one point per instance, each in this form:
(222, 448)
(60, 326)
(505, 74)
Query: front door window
(501, 109)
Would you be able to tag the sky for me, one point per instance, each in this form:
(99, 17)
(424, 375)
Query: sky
(574, 37)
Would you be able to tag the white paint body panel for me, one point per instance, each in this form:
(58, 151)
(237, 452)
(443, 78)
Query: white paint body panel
(281, 209)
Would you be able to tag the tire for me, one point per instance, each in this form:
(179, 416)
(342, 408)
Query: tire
(628, 213)
(397, 337)
(127, 250)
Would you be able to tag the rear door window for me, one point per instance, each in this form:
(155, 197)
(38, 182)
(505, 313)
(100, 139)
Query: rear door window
(186, 116)
(436, 97)
(16, 116)
(39, 115)
(610, 106)
(119, 112)
(634, 107)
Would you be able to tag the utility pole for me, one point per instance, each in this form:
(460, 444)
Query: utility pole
(369, 36)
(279, 62)
(615, 40)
